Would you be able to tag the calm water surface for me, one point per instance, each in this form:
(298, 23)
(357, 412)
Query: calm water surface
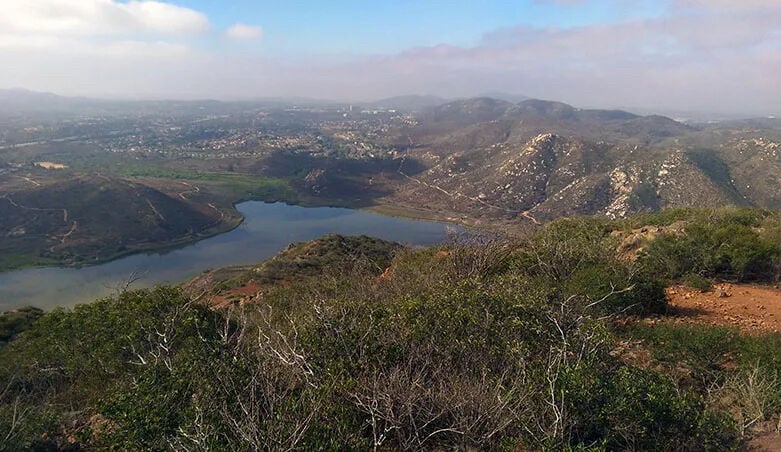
(267, 229)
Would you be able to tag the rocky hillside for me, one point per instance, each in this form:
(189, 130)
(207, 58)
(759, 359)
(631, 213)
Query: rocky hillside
(539, 160)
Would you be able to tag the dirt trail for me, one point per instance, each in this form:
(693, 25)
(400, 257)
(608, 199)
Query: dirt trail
(74, 228)
(154, 209)
(37, 209)
(748, 307)
(63, 238)
(222, 214)
(193, 189)
(37, 184)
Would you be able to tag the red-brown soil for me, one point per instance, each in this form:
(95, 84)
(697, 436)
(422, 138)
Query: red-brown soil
(751, 308)
(251, 291)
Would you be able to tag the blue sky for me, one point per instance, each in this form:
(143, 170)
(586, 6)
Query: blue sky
(657, 55)
(370, 26)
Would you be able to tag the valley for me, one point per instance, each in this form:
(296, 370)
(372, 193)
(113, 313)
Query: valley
(177, 169)
(598, 259)
(530, 225)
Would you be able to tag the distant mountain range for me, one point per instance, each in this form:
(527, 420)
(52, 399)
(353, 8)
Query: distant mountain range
(533, 159)
(483, 161)
(19, 100)
(489, 158)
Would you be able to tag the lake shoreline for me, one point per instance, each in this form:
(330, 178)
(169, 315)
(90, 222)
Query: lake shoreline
(385, 209)
(265, 229)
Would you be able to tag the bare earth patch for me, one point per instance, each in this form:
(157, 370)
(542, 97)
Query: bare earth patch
(247, 293)
(51, 165)
(748, 307)
(766, 442)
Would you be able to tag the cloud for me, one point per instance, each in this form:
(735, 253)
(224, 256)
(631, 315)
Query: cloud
(728, 4)
(244, 32)
(694, 56)
(96, 46)
(99, 17)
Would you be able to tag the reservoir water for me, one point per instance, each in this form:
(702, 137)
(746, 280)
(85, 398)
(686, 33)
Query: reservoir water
(266, 230)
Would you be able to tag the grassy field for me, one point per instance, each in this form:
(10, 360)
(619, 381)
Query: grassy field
(243, 186)
(21, 260)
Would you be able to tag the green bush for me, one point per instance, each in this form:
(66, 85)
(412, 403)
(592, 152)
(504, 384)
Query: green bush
(564, 246)
(72, 360)
(728, 247)
(14, 322)
(642, 410)
(578, 257)
(618, 290)
(703, 349)
(696, 281)
(735, 372)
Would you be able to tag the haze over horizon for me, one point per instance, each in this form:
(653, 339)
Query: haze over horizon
(686, 55)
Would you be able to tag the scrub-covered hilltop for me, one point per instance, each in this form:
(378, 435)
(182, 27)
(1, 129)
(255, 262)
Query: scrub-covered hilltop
(559, 339)
(537, 160)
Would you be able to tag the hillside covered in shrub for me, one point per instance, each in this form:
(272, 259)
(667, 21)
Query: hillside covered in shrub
(483, 342)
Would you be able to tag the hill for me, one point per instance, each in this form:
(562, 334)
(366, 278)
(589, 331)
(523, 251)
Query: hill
(74, 221)
(509, 97)
(463, 112)
(480, 343)
(332, 254)
(22, 102)
(529, 117)
(490, 159)
(552, 175)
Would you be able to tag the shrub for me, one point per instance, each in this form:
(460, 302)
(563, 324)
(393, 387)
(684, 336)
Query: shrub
(696, 281)
(702, 349)
(476, 345)
(71, 360)
(753, 395)
(578, 258)
(726, 247)
(565, 246)
(635, 409)
(619, 290)
(14, 322)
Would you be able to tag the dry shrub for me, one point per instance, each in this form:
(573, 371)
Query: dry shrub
(751, 396)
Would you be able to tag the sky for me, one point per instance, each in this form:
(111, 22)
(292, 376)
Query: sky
(721, 56)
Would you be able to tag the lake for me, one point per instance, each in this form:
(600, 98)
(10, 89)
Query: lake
(267, 229)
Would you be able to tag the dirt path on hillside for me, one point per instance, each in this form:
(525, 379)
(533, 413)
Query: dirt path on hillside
(74, 228)
(63, 238)
(192, 189)
(37, 184)
(154, 209)
(748, 307)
